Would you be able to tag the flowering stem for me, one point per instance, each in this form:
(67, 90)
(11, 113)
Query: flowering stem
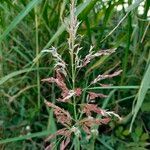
(72, 34)
(73, 77)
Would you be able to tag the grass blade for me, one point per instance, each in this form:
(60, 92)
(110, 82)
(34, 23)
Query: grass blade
(107, 99)
(17, 19)
(117, 87)
(15, 73)
(105, 144)
(141, 94)
(130, 8)
(20, 138)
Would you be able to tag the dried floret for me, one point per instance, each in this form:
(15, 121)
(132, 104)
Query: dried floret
(89, 122)
(62, 116)
(78, 91)
(93, 95)
(59, 62)
(64, 132)
(102, 77)
(91, 55)
(89, 108)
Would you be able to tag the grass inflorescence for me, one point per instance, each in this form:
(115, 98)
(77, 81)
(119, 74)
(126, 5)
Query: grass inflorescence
(74, 74)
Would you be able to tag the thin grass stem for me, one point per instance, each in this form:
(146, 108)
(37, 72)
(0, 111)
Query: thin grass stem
(37, 53)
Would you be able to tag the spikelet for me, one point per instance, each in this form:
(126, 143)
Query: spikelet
(62, 116)
(102, 77)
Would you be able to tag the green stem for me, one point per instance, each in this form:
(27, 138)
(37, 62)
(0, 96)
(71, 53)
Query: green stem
(134, 87)
(77, 143)
(1, 59)
(37, 53)
(125, 60)
(1, 62)
(73, 78)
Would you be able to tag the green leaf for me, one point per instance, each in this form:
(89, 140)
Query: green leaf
(138, 131)
(105, 144)
(16, 73)
(141, 95)
(145, 107)
(18, 18)
(130, 8)
(134, 5)
(144, 137)
(117, 87)
(126, 132)
(20, 138)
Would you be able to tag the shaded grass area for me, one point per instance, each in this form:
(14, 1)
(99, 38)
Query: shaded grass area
(28, 27)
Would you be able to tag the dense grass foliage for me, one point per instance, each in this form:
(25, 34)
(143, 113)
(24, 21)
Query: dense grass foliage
(27, 27)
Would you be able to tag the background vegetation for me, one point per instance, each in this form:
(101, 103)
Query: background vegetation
(29, 26)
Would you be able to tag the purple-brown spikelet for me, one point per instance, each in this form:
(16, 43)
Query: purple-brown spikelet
(93, 95)
(102, 77)
(62, 116)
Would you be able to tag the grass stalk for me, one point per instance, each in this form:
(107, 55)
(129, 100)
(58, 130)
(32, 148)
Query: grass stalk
(25, 137)
(116, 87)
(1, 61)
(37, 53)
(125, 60)
(72, 34)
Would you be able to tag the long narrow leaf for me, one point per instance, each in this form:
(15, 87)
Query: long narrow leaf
(20, 138)
(16, 73)
(141, 94)
(18, 18)
(130, 8)
(117, 87)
